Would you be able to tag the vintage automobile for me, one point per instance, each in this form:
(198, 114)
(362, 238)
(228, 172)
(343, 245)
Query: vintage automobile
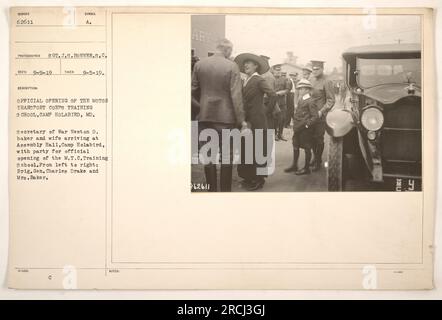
(376, 137)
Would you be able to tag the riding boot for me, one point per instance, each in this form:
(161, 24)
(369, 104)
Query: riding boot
(318, 156)
(313, 159)
(294, 166)
(211, 180)
(226, 178)
(281, 132)
(306, 169)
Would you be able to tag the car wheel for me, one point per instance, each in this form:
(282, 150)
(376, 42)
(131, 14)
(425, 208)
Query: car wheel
(336, 167)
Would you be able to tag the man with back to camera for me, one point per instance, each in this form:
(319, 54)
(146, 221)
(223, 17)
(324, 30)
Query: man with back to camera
(216, 84)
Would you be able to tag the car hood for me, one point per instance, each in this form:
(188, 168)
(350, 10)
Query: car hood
(390, 93)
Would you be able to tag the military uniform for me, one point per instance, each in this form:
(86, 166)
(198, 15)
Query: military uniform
(290, 101)
(281, 85)
(324, 97)
(269, 102)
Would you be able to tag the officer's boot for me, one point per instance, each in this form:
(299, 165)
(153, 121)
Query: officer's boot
(318, 156)
(281, 131)
(211, 180)
(226, 178)
(313, 160)
(306, 169)
(294, 166)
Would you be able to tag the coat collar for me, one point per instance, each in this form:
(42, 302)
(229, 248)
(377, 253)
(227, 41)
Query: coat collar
(248, 79)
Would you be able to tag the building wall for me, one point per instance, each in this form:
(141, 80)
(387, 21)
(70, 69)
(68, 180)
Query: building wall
(206, 31)
(289, 68)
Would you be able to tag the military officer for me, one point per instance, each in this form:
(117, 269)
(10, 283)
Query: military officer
(288, 101)
(282, 89)
(291, 98)
(306, 72)
(269, 102)
(306, 115)
(324, 97)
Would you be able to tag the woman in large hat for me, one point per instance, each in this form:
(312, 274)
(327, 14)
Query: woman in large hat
(254, 88)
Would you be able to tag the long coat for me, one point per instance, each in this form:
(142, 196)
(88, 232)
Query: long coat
(253, 95)
(216, 85)
(306, 113)
(323, 94)
(281, 83)
(304, 119)
(255, 115)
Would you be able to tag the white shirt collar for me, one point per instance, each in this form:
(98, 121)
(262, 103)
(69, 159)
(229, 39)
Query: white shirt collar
(248, 78)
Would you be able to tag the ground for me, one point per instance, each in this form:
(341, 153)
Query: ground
(280, 181)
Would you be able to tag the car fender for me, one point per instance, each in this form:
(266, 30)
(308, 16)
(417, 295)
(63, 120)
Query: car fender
(339, 122)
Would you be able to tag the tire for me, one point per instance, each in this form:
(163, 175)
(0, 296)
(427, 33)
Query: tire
(335, 171)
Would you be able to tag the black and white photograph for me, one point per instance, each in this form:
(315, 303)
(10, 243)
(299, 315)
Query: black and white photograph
(284, 103)
(316, 126)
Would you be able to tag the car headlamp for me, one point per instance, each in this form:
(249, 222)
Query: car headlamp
(372, 119)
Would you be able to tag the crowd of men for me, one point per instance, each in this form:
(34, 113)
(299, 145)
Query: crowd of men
(300, 101)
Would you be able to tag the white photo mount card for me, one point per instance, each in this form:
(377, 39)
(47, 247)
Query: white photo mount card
(221, 148)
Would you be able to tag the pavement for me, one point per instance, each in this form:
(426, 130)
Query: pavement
(279, 181)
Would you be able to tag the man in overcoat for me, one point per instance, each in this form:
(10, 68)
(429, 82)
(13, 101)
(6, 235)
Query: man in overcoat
(216, 85)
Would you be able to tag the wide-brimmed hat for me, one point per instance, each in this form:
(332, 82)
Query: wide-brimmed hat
(303, 83)
(263, 66)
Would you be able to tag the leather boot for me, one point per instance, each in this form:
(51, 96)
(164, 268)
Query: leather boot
(281, 132)
(211, 180)
(226, 178)
(303, 171)
(313, 159)
(257, 184)
(306, 170)
(318, 157)
(294, 166)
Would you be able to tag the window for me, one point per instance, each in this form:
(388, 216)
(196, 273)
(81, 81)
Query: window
(374, 72)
